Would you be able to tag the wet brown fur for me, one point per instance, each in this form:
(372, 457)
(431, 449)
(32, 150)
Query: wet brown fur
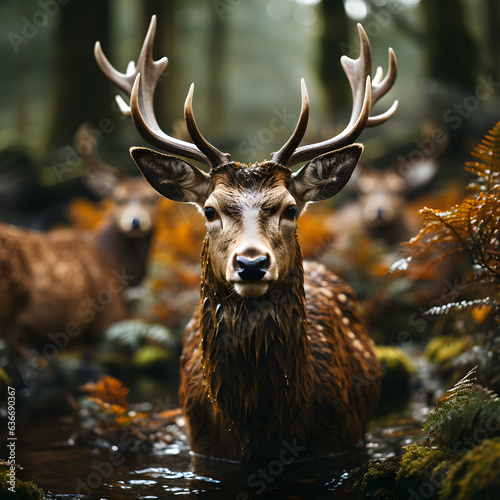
(62, 280)
(295, 365)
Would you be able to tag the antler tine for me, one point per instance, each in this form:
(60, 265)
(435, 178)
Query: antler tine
(364, 95)
(140, 83)
(215, 156)
(283, 155)
(358, 73)
(145, 63)
(380, 86)
(124, 81)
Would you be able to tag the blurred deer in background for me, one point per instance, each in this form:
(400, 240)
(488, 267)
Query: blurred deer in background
(68, 283)
(276, 351)
(381, 210)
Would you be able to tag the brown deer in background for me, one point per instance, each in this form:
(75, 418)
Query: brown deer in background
(67, 283)
(276, 352)
(381, 210)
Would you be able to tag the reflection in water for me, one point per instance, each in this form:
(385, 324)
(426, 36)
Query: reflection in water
(51, 459)
(63, 469)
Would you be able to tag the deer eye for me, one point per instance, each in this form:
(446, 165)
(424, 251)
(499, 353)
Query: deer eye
(291, 212)
(210, 213)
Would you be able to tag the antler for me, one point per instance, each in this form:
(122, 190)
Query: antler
(140, 82)
(365, 93)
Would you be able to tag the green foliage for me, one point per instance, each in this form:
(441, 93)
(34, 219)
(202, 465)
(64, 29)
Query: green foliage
(379, 477)
(475, 476)
(460, 453)
(397, 370)
(134, 333)
(138, 345)
(465, 417)
(444, 350)
(23, 490)
(151, 359)
(459, 395)
(423, 462)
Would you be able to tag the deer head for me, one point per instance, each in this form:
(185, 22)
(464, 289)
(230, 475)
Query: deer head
(383, 194)
(251, 211)
(134, 201)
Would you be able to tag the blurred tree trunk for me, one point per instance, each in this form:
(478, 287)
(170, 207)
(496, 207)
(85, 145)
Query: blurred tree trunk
(451, 50)
(165, 45)
(217, 105)
(336, 36)
(493, 35)
(78, 93)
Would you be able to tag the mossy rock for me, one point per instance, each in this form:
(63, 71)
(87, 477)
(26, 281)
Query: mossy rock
(22, 490)
(423, 470)
(151, 359)
(378, 478)
(397, 371)
(475, 476)
(446, 349)
(458, 460)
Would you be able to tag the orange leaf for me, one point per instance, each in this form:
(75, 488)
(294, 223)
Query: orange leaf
(109, 390)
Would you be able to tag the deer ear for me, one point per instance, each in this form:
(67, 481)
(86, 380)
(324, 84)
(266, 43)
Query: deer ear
(172, 177)
(326, 175)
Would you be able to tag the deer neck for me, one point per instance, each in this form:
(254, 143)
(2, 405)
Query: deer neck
(124, 254)
(254, 349)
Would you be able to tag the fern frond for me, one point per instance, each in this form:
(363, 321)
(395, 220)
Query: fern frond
(459, 394)
(458, 306)
(487, 165)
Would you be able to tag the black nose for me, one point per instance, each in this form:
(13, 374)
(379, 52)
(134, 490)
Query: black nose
(136, 223)
(251, 269)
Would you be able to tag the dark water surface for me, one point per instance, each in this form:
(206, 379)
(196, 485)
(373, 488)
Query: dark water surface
(46, 449)
(50, 450)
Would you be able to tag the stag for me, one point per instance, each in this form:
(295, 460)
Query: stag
(276, 351)
(66, 284)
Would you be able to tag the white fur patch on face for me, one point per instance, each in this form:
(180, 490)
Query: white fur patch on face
(251, 233)
(251, 244)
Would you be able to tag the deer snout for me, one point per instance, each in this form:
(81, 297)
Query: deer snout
(251, 269)
(134, 220)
